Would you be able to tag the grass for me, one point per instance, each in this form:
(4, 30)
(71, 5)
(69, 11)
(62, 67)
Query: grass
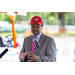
(65, 34)
(57, 34)
(8, 33)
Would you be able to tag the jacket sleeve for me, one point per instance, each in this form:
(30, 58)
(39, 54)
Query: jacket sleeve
(50, 55)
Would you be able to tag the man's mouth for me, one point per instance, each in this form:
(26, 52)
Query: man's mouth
(34, 31)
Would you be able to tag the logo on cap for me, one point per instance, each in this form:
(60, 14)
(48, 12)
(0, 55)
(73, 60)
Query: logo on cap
(36, 19)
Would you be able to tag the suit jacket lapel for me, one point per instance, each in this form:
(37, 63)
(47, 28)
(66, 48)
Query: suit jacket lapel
(40, 42)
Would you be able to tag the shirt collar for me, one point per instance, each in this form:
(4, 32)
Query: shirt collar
(38, 36)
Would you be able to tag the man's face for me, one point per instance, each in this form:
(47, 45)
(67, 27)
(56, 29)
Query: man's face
(36, 28)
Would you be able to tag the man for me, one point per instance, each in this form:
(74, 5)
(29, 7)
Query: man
(47, 45)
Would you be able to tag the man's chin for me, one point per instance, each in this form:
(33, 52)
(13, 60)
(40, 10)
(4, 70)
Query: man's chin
(35, 33)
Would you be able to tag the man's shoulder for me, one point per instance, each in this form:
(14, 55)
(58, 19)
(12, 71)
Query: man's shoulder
(28, 37)
(47, 37)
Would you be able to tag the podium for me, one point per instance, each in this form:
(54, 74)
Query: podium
(11, 56)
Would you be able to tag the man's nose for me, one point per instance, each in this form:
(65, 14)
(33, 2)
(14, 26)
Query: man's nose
(35, 27)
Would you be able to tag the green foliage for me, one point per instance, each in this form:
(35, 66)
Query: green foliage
(50, 18)
(4, 17)
(70, 18)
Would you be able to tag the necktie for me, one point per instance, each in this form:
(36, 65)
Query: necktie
(33, 44)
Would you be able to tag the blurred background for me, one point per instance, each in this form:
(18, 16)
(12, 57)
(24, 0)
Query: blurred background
(59, 25)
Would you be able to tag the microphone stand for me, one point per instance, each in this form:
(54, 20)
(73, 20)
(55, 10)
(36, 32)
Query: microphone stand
(38, 47)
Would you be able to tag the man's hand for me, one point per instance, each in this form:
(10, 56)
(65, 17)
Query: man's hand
(32, 57)
(22, 55)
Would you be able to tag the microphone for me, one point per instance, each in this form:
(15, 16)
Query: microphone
(38, 46)
(1, 55)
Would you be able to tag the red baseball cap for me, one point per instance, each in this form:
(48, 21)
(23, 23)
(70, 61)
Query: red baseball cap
(36, 19)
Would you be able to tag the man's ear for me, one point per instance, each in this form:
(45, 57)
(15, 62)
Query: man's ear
(41, 27)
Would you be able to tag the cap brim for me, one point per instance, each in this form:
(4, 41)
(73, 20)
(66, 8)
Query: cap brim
(36, 22)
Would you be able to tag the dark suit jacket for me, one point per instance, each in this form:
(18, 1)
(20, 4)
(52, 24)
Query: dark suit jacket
(48, 48)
